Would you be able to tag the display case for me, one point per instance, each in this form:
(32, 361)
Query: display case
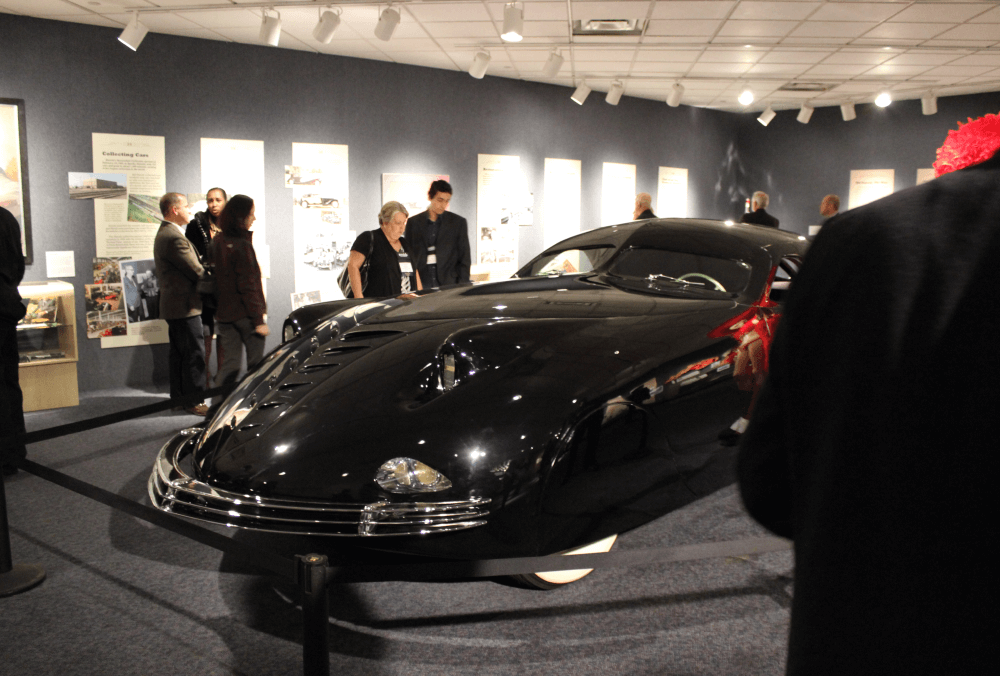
(46, 343)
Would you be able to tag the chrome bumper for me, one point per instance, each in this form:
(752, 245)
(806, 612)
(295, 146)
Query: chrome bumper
(172, 488)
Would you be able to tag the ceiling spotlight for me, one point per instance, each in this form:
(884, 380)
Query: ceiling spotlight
(133, 34)
(479, 65)
(805, 113)
(581, 93)
(768, 115)
(928, 103)
(847, 111)
(746, 96)
(615, 93)
(270, 28)
(327, 26)
(676, 92)
(883, 99)
(553, 65)
(513, 23)
(386, 25)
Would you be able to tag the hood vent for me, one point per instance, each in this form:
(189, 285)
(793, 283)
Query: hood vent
(368, 335)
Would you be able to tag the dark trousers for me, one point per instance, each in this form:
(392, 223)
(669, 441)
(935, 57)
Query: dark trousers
(11, 400)
(233, 337)
(187, 356)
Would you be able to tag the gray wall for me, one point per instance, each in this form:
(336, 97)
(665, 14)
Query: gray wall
(78, 79)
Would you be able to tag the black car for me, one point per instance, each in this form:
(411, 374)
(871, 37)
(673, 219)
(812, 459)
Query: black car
(591, 393)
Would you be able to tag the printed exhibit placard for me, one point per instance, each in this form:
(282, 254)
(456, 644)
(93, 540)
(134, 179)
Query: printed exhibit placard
(924, 175)
(562, 200)
(236, 166)
(121, 230)
(671, 193)
(410, 190)
(498, 214)
(617, 193)
(868, 185)
(320, 216)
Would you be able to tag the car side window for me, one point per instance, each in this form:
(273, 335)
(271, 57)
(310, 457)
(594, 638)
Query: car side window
(783, 276)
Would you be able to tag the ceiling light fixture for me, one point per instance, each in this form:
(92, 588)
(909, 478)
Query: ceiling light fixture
(746, 96)
(581, 93)
(553, 65)
(847, 111)
(768, 115)
(387, 23)
(615, 93)
(883, 99)
(928, 103)
(327, 26)
(805, 113)
(513, 23)
(479, 65)
(270, 28)
(676, 92)
(133, 34)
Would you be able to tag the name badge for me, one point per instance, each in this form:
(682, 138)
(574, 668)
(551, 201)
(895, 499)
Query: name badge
(405, 267)
(432, 259)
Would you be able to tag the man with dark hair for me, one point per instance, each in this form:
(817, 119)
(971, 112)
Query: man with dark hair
(11, 312)
(643, 207)
(440, 240)
(758, 215)
(177, 271)
(872, 438)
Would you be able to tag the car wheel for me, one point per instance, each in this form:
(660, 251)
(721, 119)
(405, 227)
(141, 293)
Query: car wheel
(558, 578)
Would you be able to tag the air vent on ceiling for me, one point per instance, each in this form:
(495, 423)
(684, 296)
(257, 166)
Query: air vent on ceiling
(803, 87)
(609, 27)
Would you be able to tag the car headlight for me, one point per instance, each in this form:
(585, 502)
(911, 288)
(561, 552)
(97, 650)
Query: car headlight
(406, 475)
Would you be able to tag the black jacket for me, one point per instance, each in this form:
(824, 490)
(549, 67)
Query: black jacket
(648, 213)
(199, 231)
(454, 258)
(760, 217)
(870, 442)
(11, 268)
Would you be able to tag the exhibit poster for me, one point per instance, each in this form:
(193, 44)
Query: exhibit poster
(924, 175)
(320, 216)
(562, 200)
(14, 196)
(617, 193)
(139, 162)
(497, 214)
(410, 190)
(105, 316)
(236, 166)
(140, 292)
(671, 193)
(868, 185)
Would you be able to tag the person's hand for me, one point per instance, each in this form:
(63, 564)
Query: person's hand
(262, 330)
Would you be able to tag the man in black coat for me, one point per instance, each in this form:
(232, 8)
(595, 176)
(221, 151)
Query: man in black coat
(871, 440)
(11, 312)
(758, 215)
(643, 207)
(440, 240)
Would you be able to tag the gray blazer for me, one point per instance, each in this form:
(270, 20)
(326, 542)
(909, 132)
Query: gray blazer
(177, 271)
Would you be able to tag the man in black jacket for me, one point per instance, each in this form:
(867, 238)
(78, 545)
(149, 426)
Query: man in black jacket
(758, 215)
(440, 240)
(871, 439)
(11, 312)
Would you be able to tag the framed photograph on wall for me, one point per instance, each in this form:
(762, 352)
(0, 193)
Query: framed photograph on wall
(14, 168)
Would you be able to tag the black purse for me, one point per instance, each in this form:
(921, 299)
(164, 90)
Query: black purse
(344, 280)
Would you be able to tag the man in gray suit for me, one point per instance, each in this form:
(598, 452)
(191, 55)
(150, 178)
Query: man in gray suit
(177, 271)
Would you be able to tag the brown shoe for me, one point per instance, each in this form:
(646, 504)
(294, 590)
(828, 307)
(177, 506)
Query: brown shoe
(199, 410)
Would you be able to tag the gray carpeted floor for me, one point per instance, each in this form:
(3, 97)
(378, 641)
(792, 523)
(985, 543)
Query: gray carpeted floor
(124, 597)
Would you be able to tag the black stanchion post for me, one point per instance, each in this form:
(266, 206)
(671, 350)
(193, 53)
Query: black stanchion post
(19, 578)
(315, 615)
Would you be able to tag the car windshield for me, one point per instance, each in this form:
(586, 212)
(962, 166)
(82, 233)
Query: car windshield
(570, 261)
(672, 270)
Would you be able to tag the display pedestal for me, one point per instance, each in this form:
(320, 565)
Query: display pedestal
(48, 347)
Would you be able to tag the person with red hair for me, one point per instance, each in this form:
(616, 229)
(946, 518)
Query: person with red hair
(872, 437)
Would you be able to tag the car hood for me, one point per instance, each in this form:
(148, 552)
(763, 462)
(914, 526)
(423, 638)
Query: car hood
(323, 412)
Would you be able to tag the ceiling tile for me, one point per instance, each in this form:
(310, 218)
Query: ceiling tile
(719, 68)
(682, 9)
(794, 56)
(932, 12)
(979, 31)
(587, 11)
(441, 12)
(45, 8)
(242, 18)
(992, 16)
(672, 55)
(977, 60)
(836, 69)
(664, 68)
(682, 27)
(771, 11)
(962, 44)
(811, 42)
(748, 56)
(958, 71)
(545, 11)
(478, 29)
(790, 69)
(870, 58)
(552, 29)
(832, 29)
(595, 54)
(851, 11)
(909, 31)
(898, 70)
(928, 59)
(752, 29)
